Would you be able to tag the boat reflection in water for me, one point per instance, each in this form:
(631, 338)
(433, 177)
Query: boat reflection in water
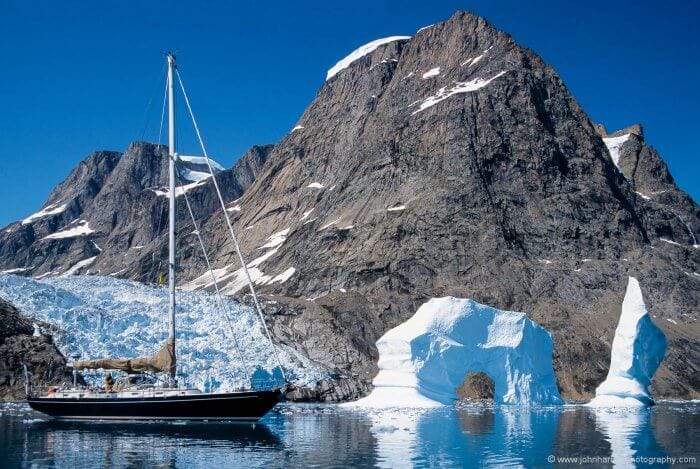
(328, 436)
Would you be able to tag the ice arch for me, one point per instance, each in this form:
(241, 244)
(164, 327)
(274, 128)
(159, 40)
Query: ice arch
(424, 360)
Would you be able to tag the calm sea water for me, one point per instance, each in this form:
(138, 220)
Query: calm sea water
(328, 436)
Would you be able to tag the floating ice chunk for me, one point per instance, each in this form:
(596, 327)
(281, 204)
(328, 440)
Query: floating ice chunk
(52, 209)
(638, 348)
(397, 208)
(361, 52)
(315, 185)
(82, 228)
(614, 145)
(424, 360)
(459, 87)
(433, 72)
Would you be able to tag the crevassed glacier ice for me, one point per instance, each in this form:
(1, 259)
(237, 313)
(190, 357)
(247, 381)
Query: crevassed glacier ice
(638, 348)
(425, 359)
(104, 316)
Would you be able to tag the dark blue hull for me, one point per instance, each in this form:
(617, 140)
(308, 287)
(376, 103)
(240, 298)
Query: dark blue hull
(248, 405)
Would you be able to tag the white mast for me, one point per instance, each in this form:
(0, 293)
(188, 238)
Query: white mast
(171, 232)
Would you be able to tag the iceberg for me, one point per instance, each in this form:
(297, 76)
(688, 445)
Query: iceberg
(638, 348)
(423, 361)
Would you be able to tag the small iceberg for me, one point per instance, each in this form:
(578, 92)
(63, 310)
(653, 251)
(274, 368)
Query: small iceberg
(638, 348)
(423, 361)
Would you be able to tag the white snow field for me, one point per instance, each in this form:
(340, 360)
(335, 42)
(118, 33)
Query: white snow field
(104, 316)
(425, 359)
(638, 348)
(361, 52)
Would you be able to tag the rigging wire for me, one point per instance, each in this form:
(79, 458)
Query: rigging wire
(213, 277)
(149, 106)
(162, 111)
(230, 227)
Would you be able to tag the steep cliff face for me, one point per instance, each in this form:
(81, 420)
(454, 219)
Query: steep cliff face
(110, 215)
(19, 346)
(452, 163)
(457, 163)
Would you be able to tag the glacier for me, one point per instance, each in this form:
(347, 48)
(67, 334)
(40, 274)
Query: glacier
(637, 351)
(95, 317)
(423, 360)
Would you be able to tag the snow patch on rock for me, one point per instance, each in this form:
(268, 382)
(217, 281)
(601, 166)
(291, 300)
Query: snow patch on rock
(79, 265)
(614, 145)
(200, 160)
(315, 185)
(638, 348)
(52, 209)
(361, 52)
(424, 360)
(459, 87)
(433, 72)
(82, 228)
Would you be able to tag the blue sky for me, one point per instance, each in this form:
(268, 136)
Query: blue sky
(77, 76)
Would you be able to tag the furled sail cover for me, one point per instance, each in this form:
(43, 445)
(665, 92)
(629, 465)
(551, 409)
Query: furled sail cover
(163, 361)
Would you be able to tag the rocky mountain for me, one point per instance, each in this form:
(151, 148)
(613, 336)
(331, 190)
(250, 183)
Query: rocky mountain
(20, 345)
(454, 162)
(110, 215)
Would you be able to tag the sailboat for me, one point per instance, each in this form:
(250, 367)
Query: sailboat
(139, 396)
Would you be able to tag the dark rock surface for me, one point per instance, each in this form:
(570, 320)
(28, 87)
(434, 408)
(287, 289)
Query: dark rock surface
(18, 346)
(123, 199)
(502, 190)
(511, 198)
(476, 387)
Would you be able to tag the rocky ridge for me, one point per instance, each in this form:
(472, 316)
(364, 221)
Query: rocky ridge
(454, 162)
